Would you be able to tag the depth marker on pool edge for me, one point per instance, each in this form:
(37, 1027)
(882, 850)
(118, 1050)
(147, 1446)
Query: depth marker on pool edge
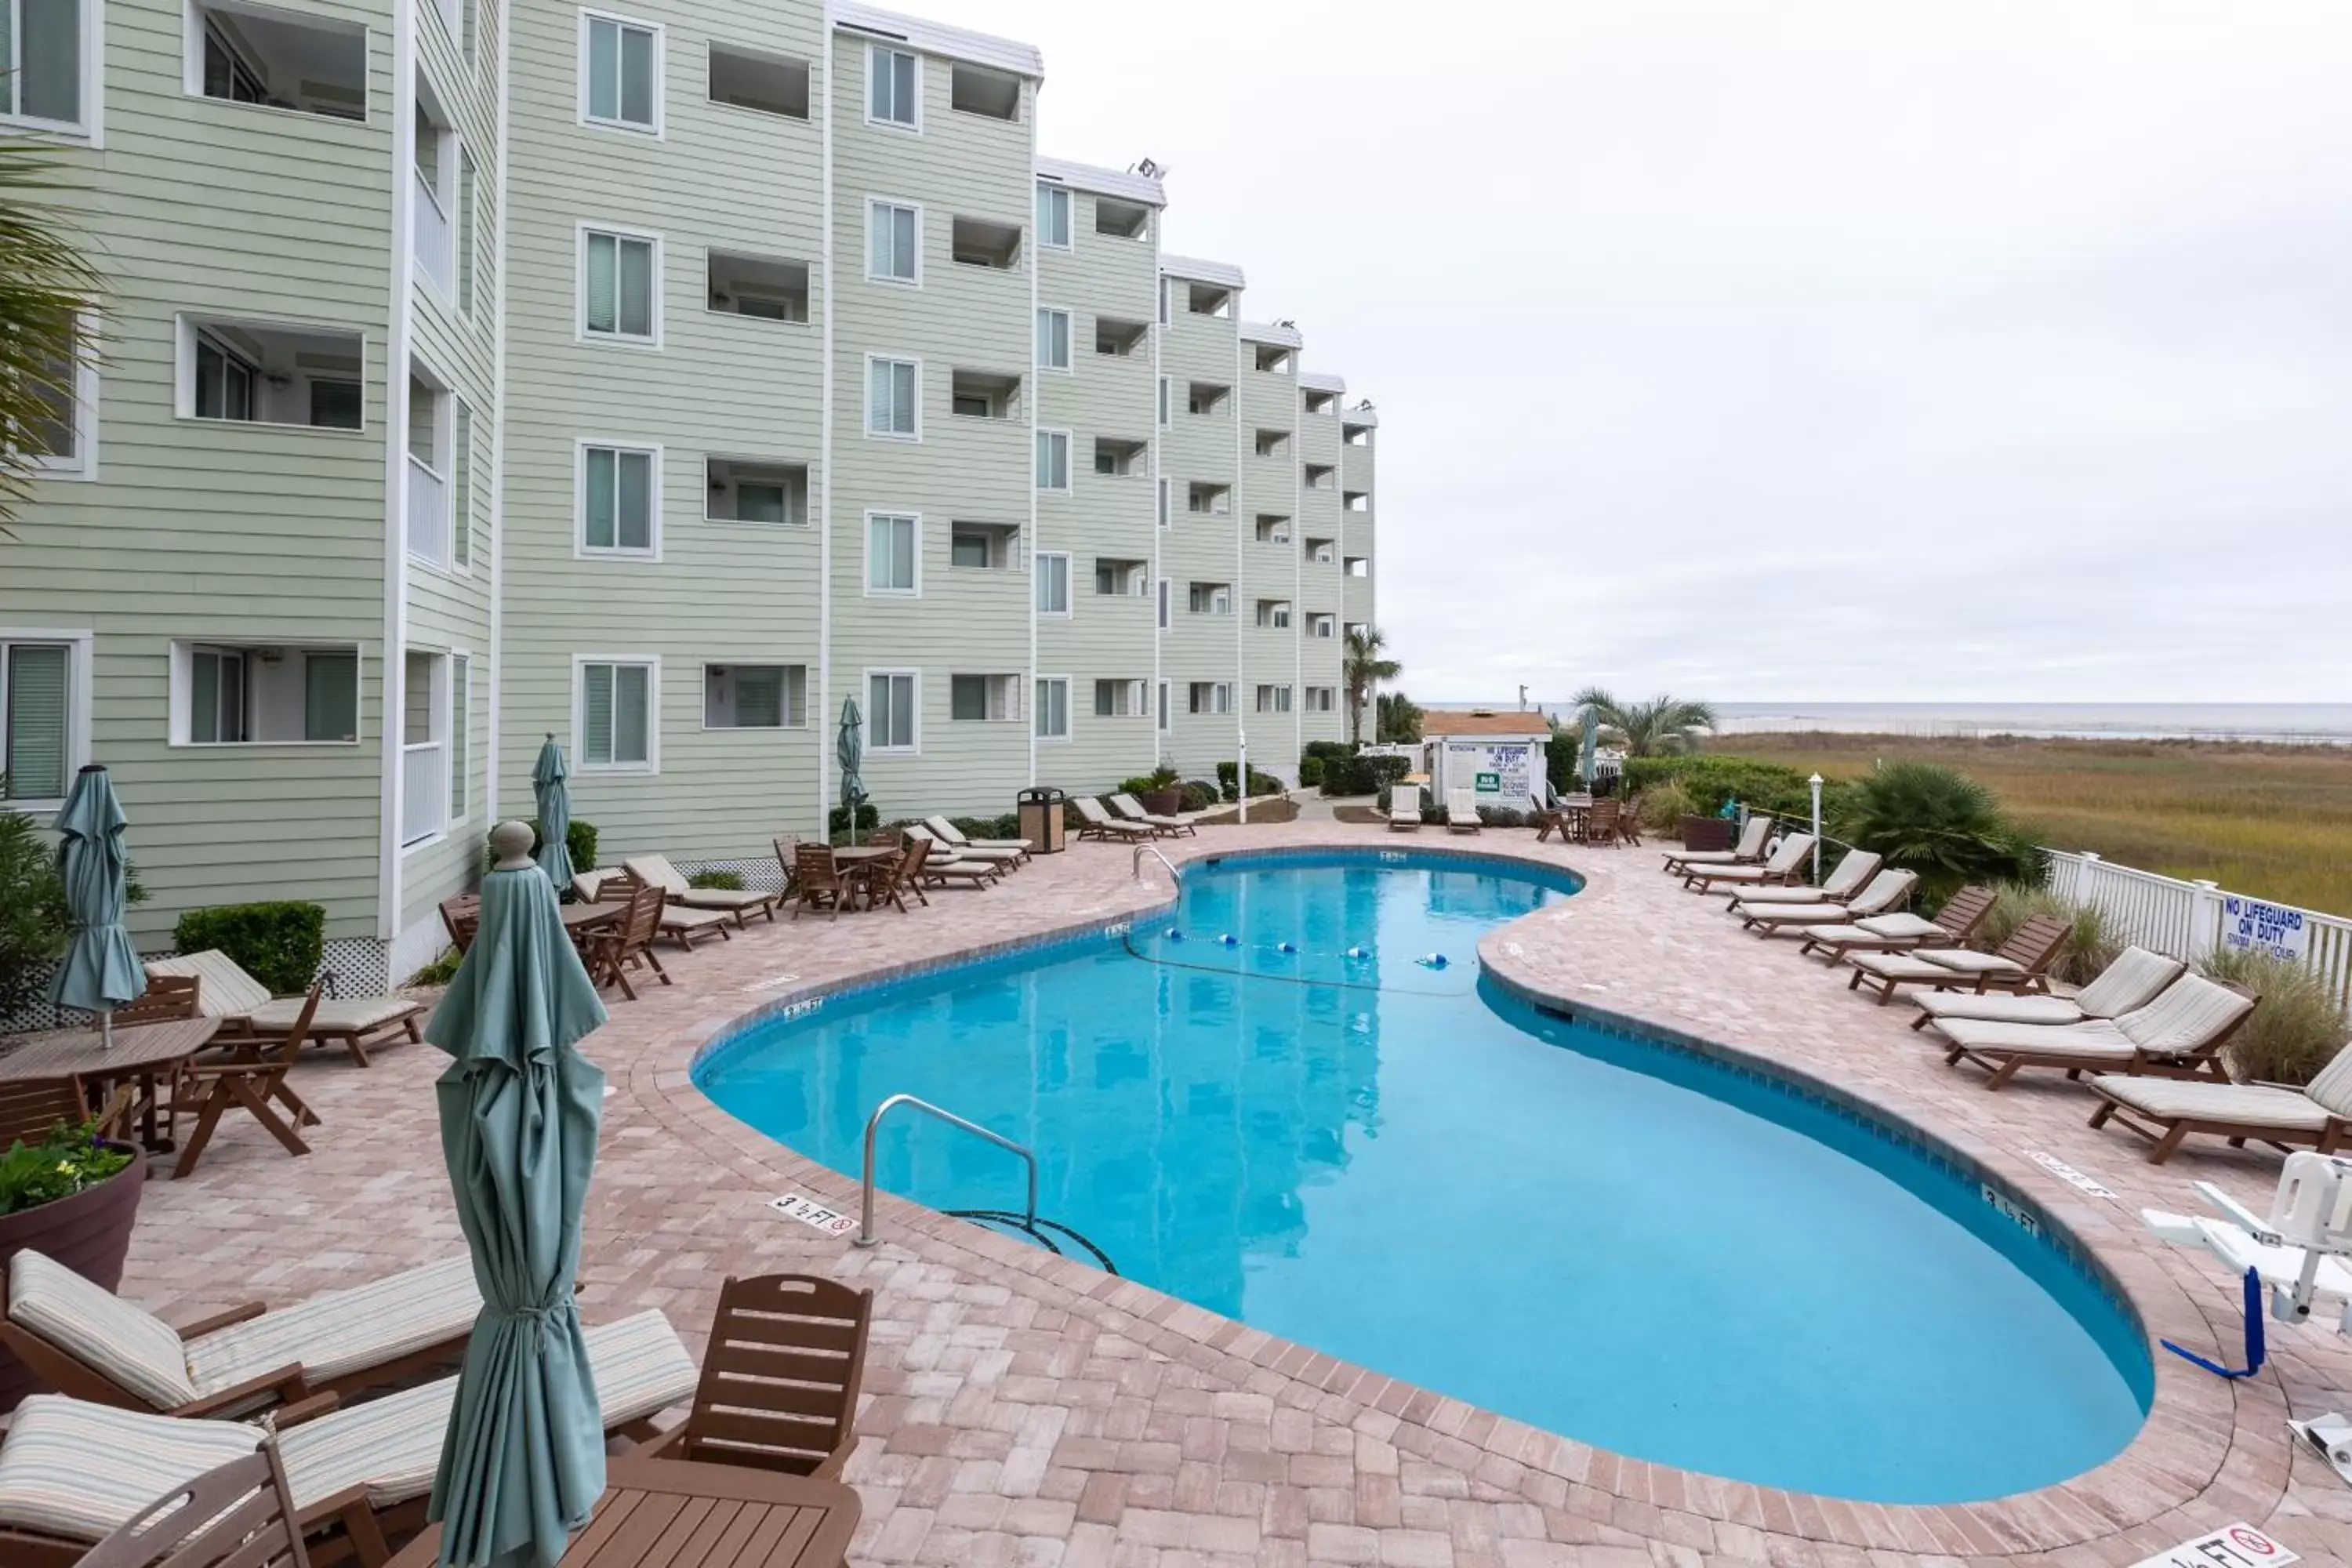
(2068, 1175)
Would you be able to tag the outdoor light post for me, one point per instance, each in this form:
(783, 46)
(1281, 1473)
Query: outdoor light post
(1816, 783)
(1241, 778)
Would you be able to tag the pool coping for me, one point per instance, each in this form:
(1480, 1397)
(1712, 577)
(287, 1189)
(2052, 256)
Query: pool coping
(2181, 1459)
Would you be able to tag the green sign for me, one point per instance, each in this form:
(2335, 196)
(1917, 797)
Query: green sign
(1490, 784)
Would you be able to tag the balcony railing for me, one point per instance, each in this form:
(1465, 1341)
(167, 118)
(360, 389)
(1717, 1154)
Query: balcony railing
(428, 514)
(435, 255)
(423, 791)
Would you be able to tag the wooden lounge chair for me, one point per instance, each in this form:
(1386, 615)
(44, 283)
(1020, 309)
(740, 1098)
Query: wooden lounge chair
(1788, 864)
(940, 869)
(818, 881)
(360, 1476)
(1883, 894)
(2179, 1034)
(627, 943)
(90, 1343)
(241, 1515)
(1094, 822)
(2166, 1110)
(1853, 872)
(1005, 859)
(656, 870)
(954, 837)
(1462, 811)
(245, 1006)
(680, 924)
(1899, 931)
(1747, 851)
(1404, 808)
(1128, 806)
(2135, 978)
(251, 1076)
(780, 1378)
(2020, 964)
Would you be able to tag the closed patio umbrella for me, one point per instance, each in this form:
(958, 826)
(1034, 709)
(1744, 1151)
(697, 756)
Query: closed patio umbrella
(1585, 758)
(548, 787)
(848, 752)
(100, 970)
(523, 1461)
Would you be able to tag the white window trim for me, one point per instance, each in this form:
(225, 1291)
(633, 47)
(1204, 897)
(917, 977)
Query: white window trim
(91, 132)
(1165, 716)
(866, 555)
(579, 332)
(872, 198)
(866, 419)
(581, 549)
(192, 63)
(180, 688)
(83, 464)
(866, 700)
(867, 108)
(1069, 462)
(579, 663)
(81, 644)
(188, 323)
(445, 429)
(439, 712)
(1069, 593)
(658, 131)
(1071, 196)
(1012, 713)
(461, 718)
(754, 663)
(1069, 719)
(773, 464)
(1069, 338)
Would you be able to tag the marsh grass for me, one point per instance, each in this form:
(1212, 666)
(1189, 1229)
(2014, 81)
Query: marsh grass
(2272, 821)
(2299, 1026)
(2089, 950)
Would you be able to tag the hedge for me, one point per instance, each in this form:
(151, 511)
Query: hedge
(1260, 783)
(1712, 780)
(580, 839)
(1362, 774)
(280, 944)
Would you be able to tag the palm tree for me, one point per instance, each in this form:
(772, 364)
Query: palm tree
(1363, 667)
(1657, 728)
(45, 292)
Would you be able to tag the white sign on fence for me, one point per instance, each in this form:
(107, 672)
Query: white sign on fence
(2265, 928)
(2240, 1546)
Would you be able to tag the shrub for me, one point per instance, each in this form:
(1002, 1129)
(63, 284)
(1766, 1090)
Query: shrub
(1200, 797)
(1005, 827)
(840, 829)
(1328, 751)
(1260, 783)
(32, 914)
(1712, 780)
(1560, 757)
(68, 1161)
(1936, 821)
(1502, 817)
(2298, 1029)
(1310, 771)
(728, 881)
(1360, 774)
(2094, 945)
(580, 839)
(441, 971)
(279, 943)
(1144, 784)
(1662, 808)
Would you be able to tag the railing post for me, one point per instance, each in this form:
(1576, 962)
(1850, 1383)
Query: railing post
(1816, 783)
(2204, 919)
(2086, 870)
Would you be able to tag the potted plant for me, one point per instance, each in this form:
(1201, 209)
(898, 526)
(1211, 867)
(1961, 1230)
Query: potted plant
(1158, 792)
(74, 1197)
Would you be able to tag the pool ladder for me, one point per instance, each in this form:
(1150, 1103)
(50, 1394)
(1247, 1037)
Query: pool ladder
(865, 1234)
(1143, 849)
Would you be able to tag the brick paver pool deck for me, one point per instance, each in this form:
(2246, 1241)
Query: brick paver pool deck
(1025, 1409)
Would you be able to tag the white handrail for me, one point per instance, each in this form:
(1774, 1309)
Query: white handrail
(1143, 849)
(866, 1235)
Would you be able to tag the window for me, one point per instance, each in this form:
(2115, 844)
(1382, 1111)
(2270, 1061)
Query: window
(890, 711)
(892, 553)
(1121, 460)
(1161, 709)
(754, 696)
(60, 437)
(1119, 698)
(432, 468)
(1357, 567)
(616, 728)
(42, 712)
(1052, 583)
(1053, 706)
(468, 183)
(620, 73)
(1319, 476)
(771, 84)
(1053, 216)
(1118, 339)
(740, 490)
(1273, 443)
(1164, 598)
(1356, 500)
(772, 287)
(977, 394)
(432, 237)
(1123, 579)
(1320, 402)
(1274, 614)
(1274, 699)
(1053, 459)
(251, 374)
(894, 243)
(1273, 530)
(1274, 359)
(41, 65)
(1122, 220)
(995, 95)
(893, 89)
(983, 546)
(1210, 697)
(1210, 599)
(980, 698)
(1053, 339)
(1323, 627)
(1205, 398)
(246, 693)
(1208, 500)
(424, 747)
(1322, 700)
(1208, 300)
(461, 733)
(977, 242)
(256, 54)
(1163, 401)
(1319, 550)
(1357, 435)
(892, 392)
(617, 487)
(1161, 486)
(1165, 289)
(618, 302)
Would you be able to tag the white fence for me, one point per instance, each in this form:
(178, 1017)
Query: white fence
(428, 514)
(423, 791)
(436, 251)
(2189, 920)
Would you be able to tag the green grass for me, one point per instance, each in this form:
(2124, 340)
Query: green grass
(2272, 821)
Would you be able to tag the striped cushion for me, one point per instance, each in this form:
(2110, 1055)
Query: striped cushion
(1903, 966)
(2091, 1037)
(656, 871)
(100, 1329)
(2332, 1086)
(228, 992)
(72, 1468)
(1906, 926)
(2131, 982)
(641, 1368)
(2191, 1013)
(2190, 1100)
(334, 1013)
(1967, 961)
(344, 1330)
(1999, 1007)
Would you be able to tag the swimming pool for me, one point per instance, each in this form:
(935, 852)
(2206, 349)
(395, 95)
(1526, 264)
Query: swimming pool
(1398, 1164)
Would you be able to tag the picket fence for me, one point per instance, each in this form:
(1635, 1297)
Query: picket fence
(2189, 920)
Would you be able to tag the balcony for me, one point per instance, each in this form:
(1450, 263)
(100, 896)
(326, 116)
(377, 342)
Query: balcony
(423, 791)
(428, 514)
(436, 247)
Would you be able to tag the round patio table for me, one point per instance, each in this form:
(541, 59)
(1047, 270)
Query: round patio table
(81, 1058)
(859, 862)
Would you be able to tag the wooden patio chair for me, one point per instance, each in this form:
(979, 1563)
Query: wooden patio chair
(241, 1515)
(818, 881)
(167, 999)
(1600, 823)
(680, 924)
(890, 883)
(628, 943)
(1629, 823)
(780, 1376)
(1899, 931)
(787, 847)
(252, 1075)
(461, 917)
(31, 1112)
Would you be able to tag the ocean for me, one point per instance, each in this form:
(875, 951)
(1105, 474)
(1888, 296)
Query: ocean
(2299, 723)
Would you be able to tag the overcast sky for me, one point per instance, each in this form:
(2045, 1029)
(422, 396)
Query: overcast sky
(1859, 350)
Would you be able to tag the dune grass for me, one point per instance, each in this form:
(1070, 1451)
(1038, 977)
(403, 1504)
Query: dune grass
(2272, 821)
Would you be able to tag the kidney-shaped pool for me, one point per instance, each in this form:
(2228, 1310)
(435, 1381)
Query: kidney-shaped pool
(1278, 1103)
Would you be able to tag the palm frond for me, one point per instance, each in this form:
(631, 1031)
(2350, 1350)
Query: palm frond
(48, 291)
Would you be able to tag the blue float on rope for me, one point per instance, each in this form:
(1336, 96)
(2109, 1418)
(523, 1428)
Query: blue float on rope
(1229, 939)
(1431, 961)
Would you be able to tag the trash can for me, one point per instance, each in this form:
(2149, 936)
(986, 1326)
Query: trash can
(1041, 818)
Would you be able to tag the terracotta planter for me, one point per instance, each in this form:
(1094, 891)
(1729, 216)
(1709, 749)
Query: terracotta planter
(1162, 802)
(1707, 833)
(88, 1233)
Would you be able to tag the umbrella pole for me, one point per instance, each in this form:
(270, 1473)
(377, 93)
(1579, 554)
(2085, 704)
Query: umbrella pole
(105, 1030)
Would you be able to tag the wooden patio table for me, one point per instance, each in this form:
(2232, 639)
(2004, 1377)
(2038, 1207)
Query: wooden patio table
(145, 1052)
(682, 1514)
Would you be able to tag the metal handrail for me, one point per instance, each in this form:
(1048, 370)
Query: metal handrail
(865, 1237)
(1143, 849)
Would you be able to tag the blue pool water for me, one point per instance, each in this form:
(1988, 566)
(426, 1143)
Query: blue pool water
(1398, 1164)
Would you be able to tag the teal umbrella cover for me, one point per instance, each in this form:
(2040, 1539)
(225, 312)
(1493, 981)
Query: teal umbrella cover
(1584, 760)
(549, 787)
(849, 753)
(523, 1461)
(100, 970)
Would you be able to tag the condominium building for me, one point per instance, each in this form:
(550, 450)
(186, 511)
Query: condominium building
(660, 381)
